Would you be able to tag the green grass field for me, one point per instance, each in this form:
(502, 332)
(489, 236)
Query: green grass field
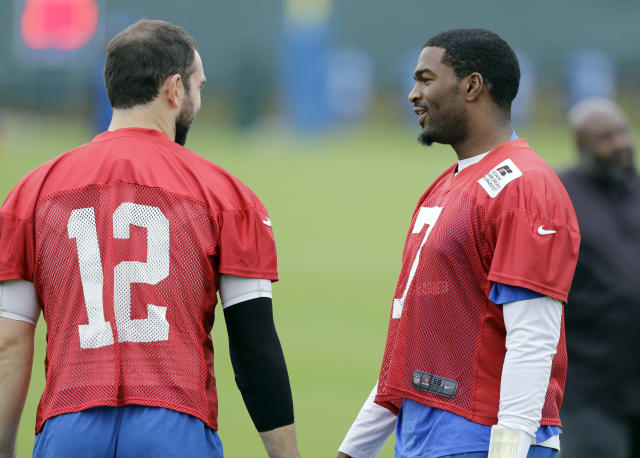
(340, 205)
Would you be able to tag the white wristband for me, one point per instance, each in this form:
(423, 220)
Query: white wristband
(509, 443)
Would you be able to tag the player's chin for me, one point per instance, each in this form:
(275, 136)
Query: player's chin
(425, 138)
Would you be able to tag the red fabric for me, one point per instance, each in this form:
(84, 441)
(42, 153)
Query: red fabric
(215, 225)
(448, 326)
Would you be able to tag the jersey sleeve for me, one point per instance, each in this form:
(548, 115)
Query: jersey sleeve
(246, 246)
(534, 236)
(17, 240)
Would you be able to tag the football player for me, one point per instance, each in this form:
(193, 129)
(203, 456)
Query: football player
(123, 243)
(475, 359)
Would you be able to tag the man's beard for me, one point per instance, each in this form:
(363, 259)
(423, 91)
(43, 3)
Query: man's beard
(183, 123)
(448, 127)
(611, 175)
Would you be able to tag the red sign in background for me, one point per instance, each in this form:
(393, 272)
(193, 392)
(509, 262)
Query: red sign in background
(59, 24)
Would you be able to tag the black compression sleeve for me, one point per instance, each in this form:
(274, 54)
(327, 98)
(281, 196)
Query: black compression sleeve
(258, 363)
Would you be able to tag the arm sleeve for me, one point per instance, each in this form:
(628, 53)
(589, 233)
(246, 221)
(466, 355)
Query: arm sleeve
(18, 301)
(259, 364)
(234, 290)
(370, 430)
(533, 331)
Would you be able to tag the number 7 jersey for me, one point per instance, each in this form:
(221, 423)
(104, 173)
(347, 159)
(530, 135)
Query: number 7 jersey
(124, 239)
(506, 219)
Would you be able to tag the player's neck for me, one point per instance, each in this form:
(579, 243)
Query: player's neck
(143, 116)
(482, 137)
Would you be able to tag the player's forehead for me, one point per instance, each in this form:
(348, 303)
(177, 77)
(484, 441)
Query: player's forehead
(198, 70)
(602, 123)
(430, 61)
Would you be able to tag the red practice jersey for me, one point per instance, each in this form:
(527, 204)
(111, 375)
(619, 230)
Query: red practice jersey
(124, 239)
(506, 219)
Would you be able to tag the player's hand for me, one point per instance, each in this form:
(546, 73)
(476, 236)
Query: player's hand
(509, 443)
(343, 455)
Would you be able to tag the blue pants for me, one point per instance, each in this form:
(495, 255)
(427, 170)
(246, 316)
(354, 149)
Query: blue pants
(126, 432)
(535, 451)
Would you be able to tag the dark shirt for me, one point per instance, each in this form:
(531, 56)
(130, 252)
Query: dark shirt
(602, 317)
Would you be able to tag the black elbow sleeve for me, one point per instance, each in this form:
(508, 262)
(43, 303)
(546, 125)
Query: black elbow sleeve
(258, 363)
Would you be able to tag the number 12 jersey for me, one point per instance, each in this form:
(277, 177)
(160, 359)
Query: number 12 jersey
(124, 239)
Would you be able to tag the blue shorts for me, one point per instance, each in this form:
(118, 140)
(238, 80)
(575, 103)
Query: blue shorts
(426, 431)
(129, 431)
(535, 451)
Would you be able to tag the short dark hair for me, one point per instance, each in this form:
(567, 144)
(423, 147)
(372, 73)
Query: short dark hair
(482, 51)
(142, 56)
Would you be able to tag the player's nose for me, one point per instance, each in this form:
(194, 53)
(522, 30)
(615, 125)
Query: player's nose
(622, 141)
(414, 94)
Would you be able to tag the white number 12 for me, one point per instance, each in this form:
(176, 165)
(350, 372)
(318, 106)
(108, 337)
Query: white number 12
(427, 216)
(82, 227)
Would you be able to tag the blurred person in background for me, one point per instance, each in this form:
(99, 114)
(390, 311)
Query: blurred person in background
(601, 409)
(475, 360)
(3, 146)
(123, 243)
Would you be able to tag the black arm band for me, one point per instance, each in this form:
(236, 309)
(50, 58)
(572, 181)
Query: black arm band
(258, 363)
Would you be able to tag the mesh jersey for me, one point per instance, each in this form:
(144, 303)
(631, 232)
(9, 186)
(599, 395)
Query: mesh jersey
(124, 239)
(506, 219)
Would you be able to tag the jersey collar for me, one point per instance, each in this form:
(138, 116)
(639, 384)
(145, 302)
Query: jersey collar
(513, 142)
(455, 170)
(139, 132)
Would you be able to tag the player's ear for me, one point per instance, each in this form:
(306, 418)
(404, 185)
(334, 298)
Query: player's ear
(171, 88)
(472, 85)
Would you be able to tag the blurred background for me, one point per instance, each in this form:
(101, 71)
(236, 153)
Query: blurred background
(306, 101)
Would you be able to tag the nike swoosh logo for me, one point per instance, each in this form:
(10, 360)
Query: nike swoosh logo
(543, 231)
(267, 222)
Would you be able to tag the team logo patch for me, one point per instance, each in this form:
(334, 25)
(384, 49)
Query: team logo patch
(501, 175)
(434, 384)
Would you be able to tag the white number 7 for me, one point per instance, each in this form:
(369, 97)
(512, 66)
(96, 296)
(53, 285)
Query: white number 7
(426, 216)
(82, 227)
